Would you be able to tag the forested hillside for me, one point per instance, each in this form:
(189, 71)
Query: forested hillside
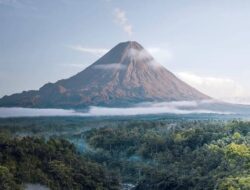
(53, 163)
(160, 154)
(186, 155)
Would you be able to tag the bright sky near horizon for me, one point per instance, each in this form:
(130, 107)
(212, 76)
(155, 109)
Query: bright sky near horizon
(205, 43)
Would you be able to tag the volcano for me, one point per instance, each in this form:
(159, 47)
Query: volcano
(124, 76)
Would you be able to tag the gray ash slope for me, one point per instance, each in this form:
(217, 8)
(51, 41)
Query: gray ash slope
(126, 75)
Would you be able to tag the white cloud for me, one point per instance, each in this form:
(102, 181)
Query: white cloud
(239, 100)
(121, 20)
(224, 89)
(182, 107)
(110, 66)
(93, 51)
(166, 109)
(162, 55)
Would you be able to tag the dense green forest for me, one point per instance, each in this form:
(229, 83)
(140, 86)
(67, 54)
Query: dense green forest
(53, 163)
(158, 154)
(184, 155)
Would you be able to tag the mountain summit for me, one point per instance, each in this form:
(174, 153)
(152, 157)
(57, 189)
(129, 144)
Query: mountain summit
(126, 75)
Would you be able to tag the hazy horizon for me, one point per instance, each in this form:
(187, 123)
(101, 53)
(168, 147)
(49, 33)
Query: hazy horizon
(205, 43)
(146, 108)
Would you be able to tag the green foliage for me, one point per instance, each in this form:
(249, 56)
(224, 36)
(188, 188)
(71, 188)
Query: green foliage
(53, 163)
(153, 154)
(235, 183)
(190, 155)
(7, 181)
(238, 150)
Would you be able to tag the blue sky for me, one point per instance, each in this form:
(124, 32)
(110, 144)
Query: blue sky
(206, 43)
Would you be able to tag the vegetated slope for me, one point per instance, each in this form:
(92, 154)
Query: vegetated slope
(53, 163)
(183, 155)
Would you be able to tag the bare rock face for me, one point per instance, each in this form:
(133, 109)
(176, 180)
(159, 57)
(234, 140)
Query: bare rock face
(127, 74)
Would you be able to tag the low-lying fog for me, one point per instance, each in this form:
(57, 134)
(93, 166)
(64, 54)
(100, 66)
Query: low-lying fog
(180, 107)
